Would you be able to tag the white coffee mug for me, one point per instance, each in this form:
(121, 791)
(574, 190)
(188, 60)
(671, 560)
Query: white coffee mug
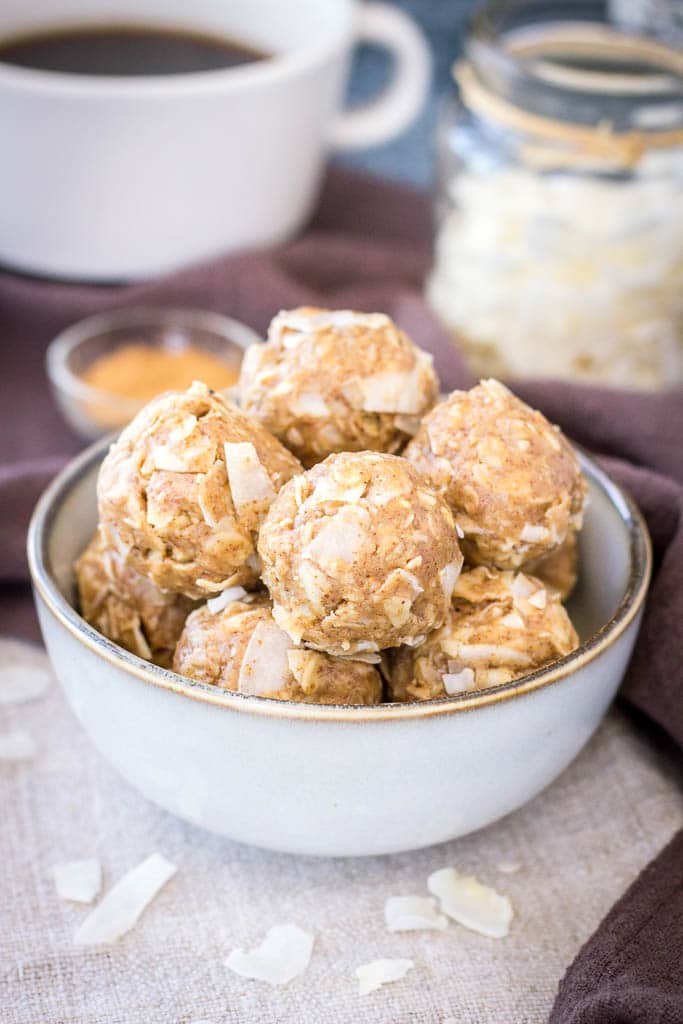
(110, 178)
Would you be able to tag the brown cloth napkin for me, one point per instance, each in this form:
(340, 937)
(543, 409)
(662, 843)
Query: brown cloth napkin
(368, 248)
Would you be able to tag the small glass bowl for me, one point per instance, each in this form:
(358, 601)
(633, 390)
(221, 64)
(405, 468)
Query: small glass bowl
(93, 412)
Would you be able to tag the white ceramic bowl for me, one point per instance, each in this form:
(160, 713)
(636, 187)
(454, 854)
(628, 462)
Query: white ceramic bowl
(336, 780)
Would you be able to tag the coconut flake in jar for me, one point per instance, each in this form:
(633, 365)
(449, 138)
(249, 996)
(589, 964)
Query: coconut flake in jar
(560, 245)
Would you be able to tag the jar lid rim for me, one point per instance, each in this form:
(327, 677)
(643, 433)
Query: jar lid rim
(600, 141)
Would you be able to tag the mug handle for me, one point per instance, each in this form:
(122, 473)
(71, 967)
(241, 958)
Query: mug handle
(386, 116)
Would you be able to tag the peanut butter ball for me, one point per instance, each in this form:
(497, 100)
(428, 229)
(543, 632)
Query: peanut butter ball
(124, 606)
(331, 381)
(512, 480)
(359, 554)
(238, 646)
(501, 625)
(186, 486)
(560, 569)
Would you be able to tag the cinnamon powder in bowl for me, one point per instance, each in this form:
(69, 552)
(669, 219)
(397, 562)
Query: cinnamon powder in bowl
(105, 368)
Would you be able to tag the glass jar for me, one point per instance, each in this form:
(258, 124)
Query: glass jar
(559, 239)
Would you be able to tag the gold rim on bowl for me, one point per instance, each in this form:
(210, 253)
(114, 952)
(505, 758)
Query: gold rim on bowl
(589, 650)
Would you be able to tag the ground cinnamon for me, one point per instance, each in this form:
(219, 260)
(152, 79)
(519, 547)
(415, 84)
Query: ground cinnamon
(141, 371)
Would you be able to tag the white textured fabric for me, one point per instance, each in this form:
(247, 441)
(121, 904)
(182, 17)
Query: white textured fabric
(580, 844)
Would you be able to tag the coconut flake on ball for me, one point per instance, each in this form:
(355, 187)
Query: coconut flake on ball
(265, 666)
(284, 954)
(449, 577)
(412, 913)
(121, 907)
(460, 681)
(249, 481)
(471, 904)
(393, 391)
(79, 881)
(222, 600)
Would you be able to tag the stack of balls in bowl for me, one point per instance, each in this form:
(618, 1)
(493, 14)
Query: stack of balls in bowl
(285, 549)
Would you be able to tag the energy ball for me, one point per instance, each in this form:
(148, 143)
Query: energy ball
(511, 479)
(359, 554)
(559, 570)
(501, 625)
(337, 381)
(124, 606)
(238, 646)
(186, 486)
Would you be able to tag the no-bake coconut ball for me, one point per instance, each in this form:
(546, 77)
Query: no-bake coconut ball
(512, 480)
(124, 606)
(331, 381)
(359, 554)
(237, 645)
(501, 625)
(559, 570)
(186, 486)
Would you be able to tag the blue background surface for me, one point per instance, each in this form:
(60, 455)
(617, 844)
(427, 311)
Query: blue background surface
(410, 157)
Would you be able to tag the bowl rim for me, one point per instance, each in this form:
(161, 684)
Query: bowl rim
(627, 610)
(234, 332)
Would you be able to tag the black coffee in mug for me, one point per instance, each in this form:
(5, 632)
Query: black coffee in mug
(125, 50)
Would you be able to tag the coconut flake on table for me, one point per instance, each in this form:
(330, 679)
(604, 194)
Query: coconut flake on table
(121, 907)
(78, 880)
(411, 913)
(471, 904)
(24, 673)
(249, 481)
(284, 954)
(220, 601)
(17, 745)
(265, 665)
(509, 867)
(380, 972)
